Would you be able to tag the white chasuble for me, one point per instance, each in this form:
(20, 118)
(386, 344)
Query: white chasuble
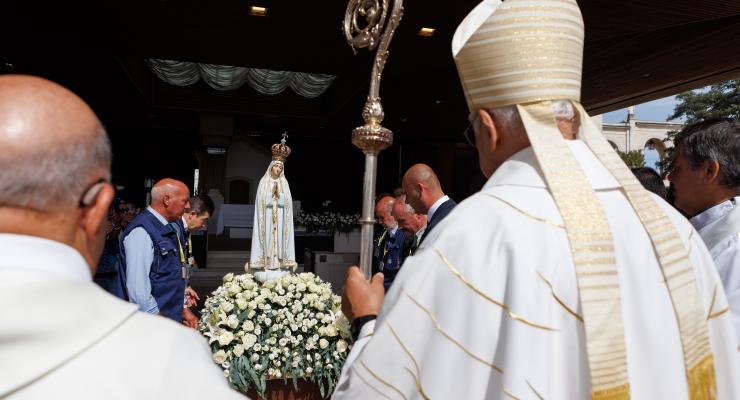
(489, 306)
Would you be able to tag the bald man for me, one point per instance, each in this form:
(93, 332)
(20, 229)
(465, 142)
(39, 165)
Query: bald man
(154, 255)
(425, 195)
(62, 336)
(388, 246)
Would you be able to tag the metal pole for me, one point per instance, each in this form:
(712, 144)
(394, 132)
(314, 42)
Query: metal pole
(367, 221)
(372, 137)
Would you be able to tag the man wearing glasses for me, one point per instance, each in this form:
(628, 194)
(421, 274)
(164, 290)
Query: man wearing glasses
(61, 336)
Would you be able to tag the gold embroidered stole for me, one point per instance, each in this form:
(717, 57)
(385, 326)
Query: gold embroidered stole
(592, 248)
(673, 257)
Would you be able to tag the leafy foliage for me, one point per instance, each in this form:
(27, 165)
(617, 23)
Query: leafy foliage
(633, 159)
(721, 100)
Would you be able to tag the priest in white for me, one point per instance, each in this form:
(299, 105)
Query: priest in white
(562, 278)
(273, 246)
(706, 177)
(62, 336)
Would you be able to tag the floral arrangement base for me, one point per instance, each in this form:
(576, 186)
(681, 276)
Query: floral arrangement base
(277, 389)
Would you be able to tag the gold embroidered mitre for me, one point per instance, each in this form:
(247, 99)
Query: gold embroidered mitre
(527, 54)
(520, 52)
(280, 151)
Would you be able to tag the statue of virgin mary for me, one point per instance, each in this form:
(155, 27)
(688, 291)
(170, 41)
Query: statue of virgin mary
(273, 248)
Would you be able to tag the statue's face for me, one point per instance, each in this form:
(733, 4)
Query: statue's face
(277, 169)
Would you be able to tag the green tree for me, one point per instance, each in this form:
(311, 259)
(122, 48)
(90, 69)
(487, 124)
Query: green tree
(721, 100)
(633, 159)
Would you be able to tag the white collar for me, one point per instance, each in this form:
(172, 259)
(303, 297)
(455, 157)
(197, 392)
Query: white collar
(522, 169)
(435, 206)
(420, 232)
(713, 214)
(159, 216)
(393, 231)
(44, 255)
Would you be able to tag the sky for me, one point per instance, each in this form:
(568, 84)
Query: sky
(656, 110)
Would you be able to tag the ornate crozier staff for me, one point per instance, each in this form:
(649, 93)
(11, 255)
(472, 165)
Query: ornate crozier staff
(371, 138)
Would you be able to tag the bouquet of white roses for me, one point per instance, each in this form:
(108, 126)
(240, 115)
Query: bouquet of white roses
(289, 327)
(328, 221)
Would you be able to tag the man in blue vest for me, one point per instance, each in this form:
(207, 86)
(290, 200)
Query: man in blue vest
(388, 245)
(153, 253)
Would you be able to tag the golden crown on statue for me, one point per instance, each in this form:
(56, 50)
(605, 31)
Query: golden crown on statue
(281, 151)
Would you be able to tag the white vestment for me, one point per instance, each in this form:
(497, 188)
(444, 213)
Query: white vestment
(489, 308)
(273, 246)
(719, 227)
(63, 337)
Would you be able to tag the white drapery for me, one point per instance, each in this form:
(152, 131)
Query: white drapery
(225, 77)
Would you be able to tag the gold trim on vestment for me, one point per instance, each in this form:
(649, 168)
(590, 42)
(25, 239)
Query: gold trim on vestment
(450, 338)
(615, 393)
(503, 306)
(508, 393)
(533, 389)
(711, 314)
(677, 272)
(543, 220)
(557, 299)
(417, 377)
(381, 380)
(373, 387)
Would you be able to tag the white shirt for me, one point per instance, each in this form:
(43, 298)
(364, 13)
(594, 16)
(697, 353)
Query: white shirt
(63, 337)
(726, 253)
(435, 206)
(451, 324)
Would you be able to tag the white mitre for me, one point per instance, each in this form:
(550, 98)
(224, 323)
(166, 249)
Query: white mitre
(527, 54)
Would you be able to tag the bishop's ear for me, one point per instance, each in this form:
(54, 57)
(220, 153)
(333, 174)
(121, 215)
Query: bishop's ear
(487, 135)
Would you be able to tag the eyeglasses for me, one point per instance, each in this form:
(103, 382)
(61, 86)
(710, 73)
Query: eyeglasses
(469, 135)
(91, 193)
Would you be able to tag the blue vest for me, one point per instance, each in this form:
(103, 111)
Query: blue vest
(165, 275)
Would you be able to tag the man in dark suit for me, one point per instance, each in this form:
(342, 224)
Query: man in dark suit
(425, 195)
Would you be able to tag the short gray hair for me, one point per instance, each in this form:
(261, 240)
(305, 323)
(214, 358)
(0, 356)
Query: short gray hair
(509, 115)
(42, 177)
(713, 140)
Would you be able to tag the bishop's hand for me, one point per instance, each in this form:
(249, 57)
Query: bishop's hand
(360, 296)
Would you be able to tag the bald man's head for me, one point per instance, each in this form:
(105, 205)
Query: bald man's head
(54, 146)
(383, 209)
(422, 187)
(170, 198)
(54, 162)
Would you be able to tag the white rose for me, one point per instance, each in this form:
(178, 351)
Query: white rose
(249, 340)
(232, 322)
(229, 277)
(219, 357)
(227, 307)
(257, 330)
(341, 346)
(268, 322)
(238, 350)
(254, 358)
(323, 343)
(319, 315)
(248, 326)
(309, 370)
(241, 303)
(331, 331)
(258, 367)
(301, 287)
(283, 342)
(225, 338)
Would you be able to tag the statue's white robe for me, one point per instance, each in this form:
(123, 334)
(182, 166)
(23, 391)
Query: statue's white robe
(63, 337)
(485, 309)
